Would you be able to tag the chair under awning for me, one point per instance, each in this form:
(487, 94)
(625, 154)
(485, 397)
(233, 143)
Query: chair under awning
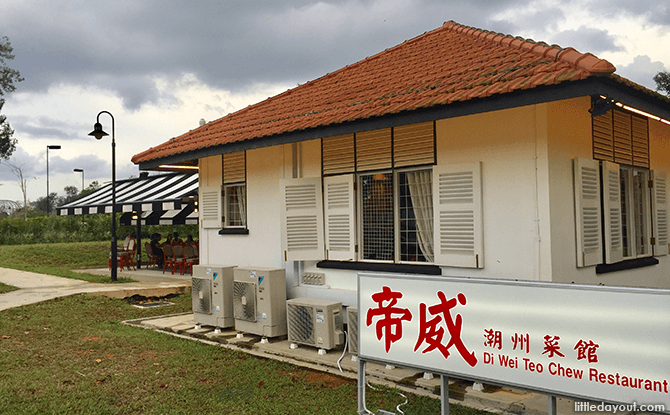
(168, 199)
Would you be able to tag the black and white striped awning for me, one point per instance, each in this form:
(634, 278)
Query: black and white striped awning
(166, 199)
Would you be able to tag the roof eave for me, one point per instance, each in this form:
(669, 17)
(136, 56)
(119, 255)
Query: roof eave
(595, 85)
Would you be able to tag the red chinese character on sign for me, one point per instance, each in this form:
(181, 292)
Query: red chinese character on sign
(522, 341)
(431, 334)
(587, 351)
(493, 338)
(388, 326)
(551, 346)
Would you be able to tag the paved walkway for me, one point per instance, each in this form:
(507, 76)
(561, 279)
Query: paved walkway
(35, 288)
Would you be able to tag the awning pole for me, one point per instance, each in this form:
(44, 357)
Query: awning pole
(138, 234)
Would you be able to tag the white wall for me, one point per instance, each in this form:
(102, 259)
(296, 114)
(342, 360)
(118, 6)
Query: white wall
(528, 199)
(511, 146)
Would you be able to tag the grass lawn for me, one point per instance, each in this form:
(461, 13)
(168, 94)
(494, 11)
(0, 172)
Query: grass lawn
(6, 288)
(74, 356)
(59, 259)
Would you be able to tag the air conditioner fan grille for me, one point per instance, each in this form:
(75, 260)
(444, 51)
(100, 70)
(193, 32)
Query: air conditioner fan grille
(301, 324)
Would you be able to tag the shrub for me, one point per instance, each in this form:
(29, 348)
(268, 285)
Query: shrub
(84, 228)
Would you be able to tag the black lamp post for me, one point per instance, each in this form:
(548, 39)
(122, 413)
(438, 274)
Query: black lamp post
(98, 133)
(82, 177)
(49, 147)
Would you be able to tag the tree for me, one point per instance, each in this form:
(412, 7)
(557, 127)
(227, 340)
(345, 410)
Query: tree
(8, 77)
(23, 184)
(71, 193)
(41, 203)
(91, 188)
(662, 80)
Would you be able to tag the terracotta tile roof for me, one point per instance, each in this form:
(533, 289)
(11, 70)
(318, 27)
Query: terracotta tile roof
(450, 64)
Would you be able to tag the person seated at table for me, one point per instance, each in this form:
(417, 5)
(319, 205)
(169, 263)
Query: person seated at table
(175, 239)
(189, 240)
(156, 248)
(168, 240)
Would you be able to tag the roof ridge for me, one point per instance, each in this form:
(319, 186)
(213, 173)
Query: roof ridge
(585, 61)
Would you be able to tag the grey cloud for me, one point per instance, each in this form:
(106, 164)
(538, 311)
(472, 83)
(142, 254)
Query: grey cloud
(122, 45)
(21, 159)
(655, 11)
(46, 128)
(587, 39)
(642, 70)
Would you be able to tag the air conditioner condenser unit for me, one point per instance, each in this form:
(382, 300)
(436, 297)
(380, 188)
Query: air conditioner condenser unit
(259, 301)
(212, 295)
(315, 322)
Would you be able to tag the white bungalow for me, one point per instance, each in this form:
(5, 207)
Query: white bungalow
(460, 152)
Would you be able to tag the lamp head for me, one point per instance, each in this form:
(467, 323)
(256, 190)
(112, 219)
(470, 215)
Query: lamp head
(97, 132)
(78, 170)
(600, 106)
(53, 147)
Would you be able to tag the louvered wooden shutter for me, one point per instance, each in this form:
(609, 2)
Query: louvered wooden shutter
(413, 144)
(457, 201)
(373, 150)
(603, 137)
(640, 141)
(338, 154)
(587, 210)
(339, 209)
(659, 206)
(612, 211)
(623, 149)
(621, 137)
(302, 219)
(234, 167)
(211, 207)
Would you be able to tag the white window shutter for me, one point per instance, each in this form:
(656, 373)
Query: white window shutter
(339, 215)
(659, 208)
(302, 219)
(587, 211)
(457, 202)
(612, 210)
(210, 205)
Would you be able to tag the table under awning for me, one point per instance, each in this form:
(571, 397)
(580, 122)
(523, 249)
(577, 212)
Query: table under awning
(165, 199)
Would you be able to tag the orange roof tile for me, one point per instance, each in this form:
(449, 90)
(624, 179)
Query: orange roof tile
(452, 63)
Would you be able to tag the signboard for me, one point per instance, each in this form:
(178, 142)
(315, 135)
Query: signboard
(590, 342)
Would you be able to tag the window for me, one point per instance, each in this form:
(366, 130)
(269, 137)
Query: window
(397, 216)
(635, 213)
(385, 201)
(235, 205)
(234, 190)
(621, 205)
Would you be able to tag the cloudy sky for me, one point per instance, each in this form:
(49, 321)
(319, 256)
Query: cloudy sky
(159, 66)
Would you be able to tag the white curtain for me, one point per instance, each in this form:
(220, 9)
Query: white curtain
(241, 194)
(420, 185)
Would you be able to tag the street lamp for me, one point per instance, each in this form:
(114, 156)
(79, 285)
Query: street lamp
(49, 147)
(98, 133)
(82, 177)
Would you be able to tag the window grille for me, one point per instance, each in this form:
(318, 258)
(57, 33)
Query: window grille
(235, 190)
(377, 216)
(415, 211)
(236, 205)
